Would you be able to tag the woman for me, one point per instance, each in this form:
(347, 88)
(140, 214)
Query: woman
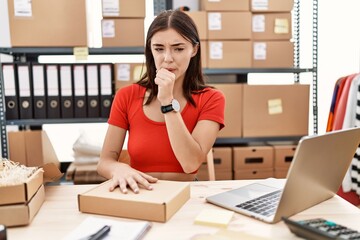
(171, 116)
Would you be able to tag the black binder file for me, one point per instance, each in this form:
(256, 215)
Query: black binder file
(38, 91)
(66, 92)
(10, 91)
(106, 89)
(25, 96)
(53, 93)
(92, 90)
(79, 91)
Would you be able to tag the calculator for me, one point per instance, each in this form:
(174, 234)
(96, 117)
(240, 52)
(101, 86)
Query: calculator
(320, 229)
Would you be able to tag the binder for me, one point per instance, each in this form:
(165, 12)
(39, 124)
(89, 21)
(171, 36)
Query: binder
(10, 91)
(39, 91)
(66, 92)
(79, 91)
(106, 89)
(25, 96)
(92, 90)
(53, 93)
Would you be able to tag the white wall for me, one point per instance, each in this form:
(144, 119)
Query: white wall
(338, 55)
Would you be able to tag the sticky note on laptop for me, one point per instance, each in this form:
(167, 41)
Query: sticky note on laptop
(214, 217)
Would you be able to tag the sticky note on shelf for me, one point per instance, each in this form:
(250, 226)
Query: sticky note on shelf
(214, 217)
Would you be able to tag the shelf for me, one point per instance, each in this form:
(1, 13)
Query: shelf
(246, 140)
(39, 122)
(208, 71)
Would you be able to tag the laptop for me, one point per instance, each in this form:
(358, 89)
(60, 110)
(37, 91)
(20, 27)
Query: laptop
(318, 167)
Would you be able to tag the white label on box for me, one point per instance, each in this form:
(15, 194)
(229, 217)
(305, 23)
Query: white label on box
(214, 20)
(110, 8)
(258, 23)
(259, 51)
(275, 106)
(123, 72)
(260, 4)
(214, 0)
(216, 50)
(108, 28)
(38, 80)
(22, 8)
(281, 26)
(9, 80)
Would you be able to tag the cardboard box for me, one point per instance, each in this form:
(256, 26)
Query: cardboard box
(203, 175)
(253, 174)
(284, 155)
(271, 5)
(233, 109)
(275, 110)
(253, 157)
(128, 73)
(158, 205)
(280, 172)
(229, 54)
(31, 148)
(48, 23)
(204, 47)
(225, 5)
(229, 25)
(22, 214)
(21, 193)
(124, 32)
(123, 8)
(83, 174)
(273, 54)
(271, 26)
(200, 19)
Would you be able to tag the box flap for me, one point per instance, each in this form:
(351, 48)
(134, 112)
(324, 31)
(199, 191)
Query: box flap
(51, 172)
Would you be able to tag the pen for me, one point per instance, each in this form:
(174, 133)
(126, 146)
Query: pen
(101, 233)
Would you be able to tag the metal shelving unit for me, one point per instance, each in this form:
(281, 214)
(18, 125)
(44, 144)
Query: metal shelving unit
(31, 54)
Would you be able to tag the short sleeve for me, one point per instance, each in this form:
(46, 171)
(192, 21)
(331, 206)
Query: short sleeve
(213, 106)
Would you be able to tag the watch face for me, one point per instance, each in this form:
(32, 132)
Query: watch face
(176, 105)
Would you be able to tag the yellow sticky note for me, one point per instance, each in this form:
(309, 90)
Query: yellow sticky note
(275, 106)
(81, 53)
(281, 26)
(214, 217)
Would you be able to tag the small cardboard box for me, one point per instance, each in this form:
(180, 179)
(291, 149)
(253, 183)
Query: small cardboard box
(84, 174)
(158, 205)
(225, 5)
(21, 193)
(253, 174)
(281, 110)
(203, 175)
(271, 26)
(280, 172)
(229, 54)
(199, 18)
(123, 8)
(128, 73)
(253, 157)
(123, 32)
(22, 214)
(272, 54)
(284, 155)
(229, 25)
(204, 47)
(271, 5)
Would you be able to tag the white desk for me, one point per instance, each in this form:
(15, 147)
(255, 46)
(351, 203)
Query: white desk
(59, 215)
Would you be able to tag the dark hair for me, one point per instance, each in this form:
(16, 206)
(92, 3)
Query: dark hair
(185, 26)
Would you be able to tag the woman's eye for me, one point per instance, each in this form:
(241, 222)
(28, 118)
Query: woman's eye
(158, 49)
(179, 49)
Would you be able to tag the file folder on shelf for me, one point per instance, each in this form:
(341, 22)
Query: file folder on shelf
(92, 87)
(106, 89)
(10, 91)
(79, 91)
(38, 91)
(53, 93)
(25, 96)
(66, 92)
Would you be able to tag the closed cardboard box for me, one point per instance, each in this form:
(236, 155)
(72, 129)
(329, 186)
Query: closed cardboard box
(225, 5)
(22, 214)
(275, 110)
(48, 23)
(271, 5)
(123, 8)
(273, 54)
(204, 47)
(271, 26)
(284, 155)
(229, 54)
(253, 174)
(158, 205)
(203, 175)
(200, 19)
(124, 32)
(233, 109)
(280, 172)
(229, 25)
(128, 73)
(253, 157)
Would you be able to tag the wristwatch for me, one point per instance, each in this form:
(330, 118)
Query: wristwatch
(174, 106)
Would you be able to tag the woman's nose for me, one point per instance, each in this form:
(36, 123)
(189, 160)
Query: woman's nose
(168, 56)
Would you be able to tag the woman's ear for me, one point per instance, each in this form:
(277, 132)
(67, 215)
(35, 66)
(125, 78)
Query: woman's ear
(195, 50)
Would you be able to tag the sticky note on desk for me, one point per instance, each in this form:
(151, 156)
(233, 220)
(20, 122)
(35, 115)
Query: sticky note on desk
(214, 217)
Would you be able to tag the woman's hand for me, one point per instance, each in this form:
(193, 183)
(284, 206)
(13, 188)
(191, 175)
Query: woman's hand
(165, 81)
(126, 176)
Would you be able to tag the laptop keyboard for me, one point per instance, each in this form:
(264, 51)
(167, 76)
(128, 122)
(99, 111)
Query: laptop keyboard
(264, 205)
